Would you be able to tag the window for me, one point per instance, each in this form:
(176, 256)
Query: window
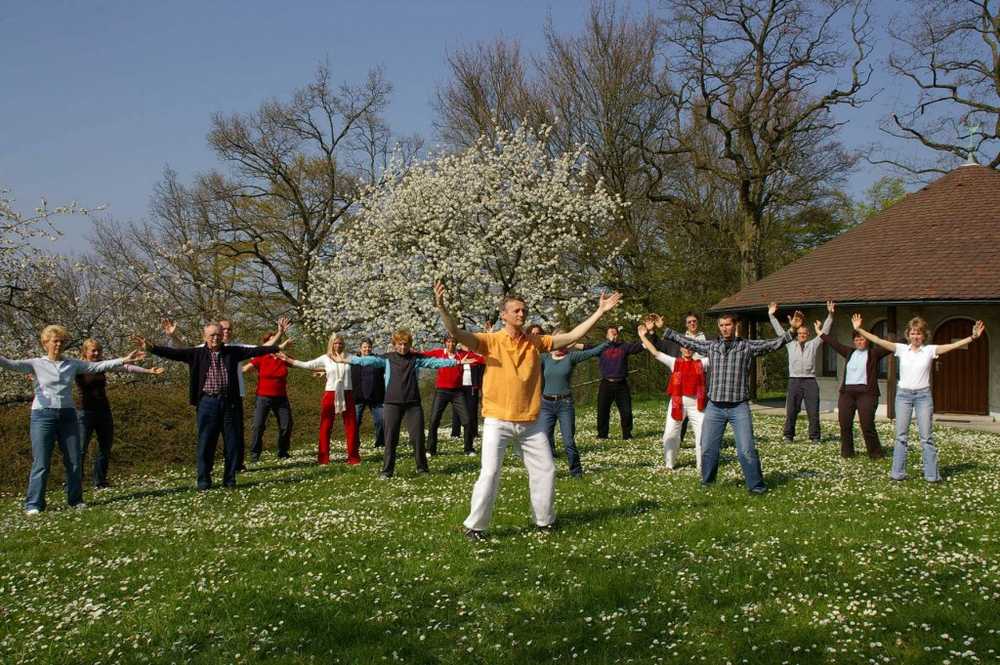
(830, 356)
(881, 329)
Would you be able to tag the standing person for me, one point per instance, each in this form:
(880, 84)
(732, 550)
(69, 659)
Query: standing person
(691, 329)
(858, 392)
(402, 397)
(730, 358)
(228, 339)
(557, 399)
(95, 410)
(272, 396)
(511, 404)
(213, 390)
(53, 414)
(369, 392)
(688, 397)
(472, 386)
(802, 385)
(338, 398)
(614, 383)
(448, 390)
(913, 392)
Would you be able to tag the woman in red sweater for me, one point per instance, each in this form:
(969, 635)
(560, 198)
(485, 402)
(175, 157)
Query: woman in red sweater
(272, 395)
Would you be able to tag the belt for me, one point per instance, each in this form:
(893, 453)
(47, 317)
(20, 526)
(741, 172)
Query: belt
(556, 398)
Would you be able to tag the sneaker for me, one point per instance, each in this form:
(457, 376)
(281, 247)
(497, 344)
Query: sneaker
(548, 528)
(384, 476)
(471, 453)
(79, 506)
(758, 491)
(474, 535)
(30, 512)
(788, 439)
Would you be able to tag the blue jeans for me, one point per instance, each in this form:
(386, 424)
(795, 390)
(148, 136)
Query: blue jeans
(565, 412)
(49, 426)
(717, 414)
(921, 402)
(376, 409)
(215, 416)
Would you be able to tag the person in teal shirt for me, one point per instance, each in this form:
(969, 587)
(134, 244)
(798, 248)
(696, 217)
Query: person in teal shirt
(557, 400)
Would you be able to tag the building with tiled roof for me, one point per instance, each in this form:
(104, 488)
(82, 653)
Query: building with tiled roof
(935, 254)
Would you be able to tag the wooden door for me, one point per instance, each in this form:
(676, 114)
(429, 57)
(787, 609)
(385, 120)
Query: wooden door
(961, 377)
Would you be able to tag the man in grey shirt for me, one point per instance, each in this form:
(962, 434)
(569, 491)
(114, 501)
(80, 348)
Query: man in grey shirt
(802, 385)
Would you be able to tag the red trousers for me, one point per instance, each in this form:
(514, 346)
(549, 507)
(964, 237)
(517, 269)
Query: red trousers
(326, 418)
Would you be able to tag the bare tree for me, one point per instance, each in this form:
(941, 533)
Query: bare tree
(756, 80)
(949, 50)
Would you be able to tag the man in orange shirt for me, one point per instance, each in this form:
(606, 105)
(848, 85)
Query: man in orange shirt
(511, 404)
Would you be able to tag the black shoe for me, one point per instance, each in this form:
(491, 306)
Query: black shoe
(204, 488)
(241, 467)
(283, 455)
(626, 437)
(474, 535)
(576, 476)
(788, 439)
(384, 476)
(758, 491)
(816, 441)
(548, 528)
(229, 486)
(421, 472)
(254, 459)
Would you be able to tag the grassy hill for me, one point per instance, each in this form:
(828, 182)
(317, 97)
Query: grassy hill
(306, 564)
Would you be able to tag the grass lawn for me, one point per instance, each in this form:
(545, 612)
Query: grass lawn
(329, 565)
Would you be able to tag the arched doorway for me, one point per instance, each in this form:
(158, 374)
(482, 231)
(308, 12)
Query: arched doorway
(961, 377)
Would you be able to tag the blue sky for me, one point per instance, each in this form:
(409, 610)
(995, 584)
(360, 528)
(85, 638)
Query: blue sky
(98, 97)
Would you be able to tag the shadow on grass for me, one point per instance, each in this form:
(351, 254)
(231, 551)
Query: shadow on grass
(592, 516)
(143, 494)
(957, 469)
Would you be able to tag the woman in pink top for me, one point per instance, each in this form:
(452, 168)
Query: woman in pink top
(913, 392)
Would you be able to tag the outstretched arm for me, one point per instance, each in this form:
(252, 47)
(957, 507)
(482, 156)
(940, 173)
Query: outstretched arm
(858, 322)
(772, 309)
(648, 345)
(461, 335)
(977, 329)
(701, 346)
(604, 305)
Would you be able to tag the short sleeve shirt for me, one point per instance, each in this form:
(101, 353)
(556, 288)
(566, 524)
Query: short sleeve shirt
(915, 366)
(512, 383)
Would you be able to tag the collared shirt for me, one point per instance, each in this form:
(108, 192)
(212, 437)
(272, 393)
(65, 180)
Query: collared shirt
(54, 378)
(512, 385)
(216, 380)
(802, 357)
(729, 363)
(856, 372)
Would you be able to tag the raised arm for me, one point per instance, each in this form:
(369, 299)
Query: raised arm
(646, 343)
(283, 325)
(828, 321)
(701, 346)
(759, 347)
(577, 357)
(772, 309)
(604, 305)
(841, 349)
(977, 330)
(461, 335)
(858, 324)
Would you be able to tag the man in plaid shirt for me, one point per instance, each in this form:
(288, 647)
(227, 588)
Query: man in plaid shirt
(730, 358)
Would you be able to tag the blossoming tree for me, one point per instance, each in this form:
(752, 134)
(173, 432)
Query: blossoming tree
(503, 216)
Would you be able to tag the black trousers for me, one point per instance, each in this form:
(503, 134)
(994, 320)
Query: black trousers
(619, 393)
(217, 416)
(393, 416)
(864, 402)
(442, 398)
(802, 390)
(472, 407)
(241, 451)
(283, 412)
(102, 424)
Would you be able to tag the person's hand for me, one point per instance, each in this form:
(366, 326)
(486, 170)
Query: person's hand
(580, 346)
(156, 370)
(856, 320)
(319, 374)
(609, 302)
(139, 341)
(830, 306)
(641, 330)
(135, 356)
(281, 356)
(439, 294)
(819, 327)
(284, 323)
(772, 308)
(796, 319)
(169, 327)
(977, 329)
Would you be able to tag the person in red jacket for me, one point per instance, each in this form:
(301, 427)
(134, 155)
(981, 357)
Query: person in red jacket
(449, 391)
(272, 396)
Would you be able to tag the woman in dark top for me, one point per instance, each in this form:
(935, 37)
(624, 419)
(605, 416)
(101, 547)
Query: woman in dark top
(858, 392)
(95, 410)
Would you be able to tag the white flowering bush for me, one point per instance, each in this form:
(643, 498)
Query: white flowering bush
(503, 216)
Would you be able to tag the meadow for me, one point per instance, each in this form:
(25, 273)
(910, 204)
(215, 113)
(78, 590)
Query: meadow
(308, 564)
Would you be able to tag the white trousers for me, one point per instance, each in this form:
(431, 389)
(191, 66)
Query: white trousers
(531, 443)
(672, 432)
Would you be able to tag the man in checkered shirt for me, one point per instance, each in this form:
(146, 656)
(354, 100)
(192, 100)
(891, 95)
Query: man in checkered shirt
(730, 359)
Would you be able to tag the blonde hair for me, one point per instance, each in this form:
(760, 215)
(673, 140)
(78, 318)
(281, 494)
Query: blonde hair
(329, 343)
(88, 344)
(402, 335)
(917, 323)
(50, 331)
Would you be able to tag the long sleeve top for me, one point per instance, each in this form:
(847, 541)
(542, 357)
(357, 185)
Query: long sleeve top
(54, 378)
(874, 354)
(663, 345)
(368, 384)
(451, 378)
(338, 377)
(401, 373)
(802, 355)
(729, 362)
(93, 387)
(558, 372)
(199, 358)
(614, 359)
